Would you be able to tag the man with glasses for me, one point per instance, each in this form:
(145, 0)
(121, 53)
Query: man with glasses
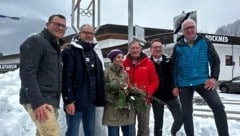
(164, 91)
(83, 82)
(191, 57)
(41, 74)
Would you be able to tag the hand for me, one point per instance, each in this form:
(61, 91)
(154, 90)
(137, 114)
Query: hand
(175, 92)
(124, 86)
(70, 109)
(210, 84)
(41, 112)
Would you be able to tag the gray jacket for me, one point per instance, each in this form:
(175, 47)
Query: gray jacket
(40, 70)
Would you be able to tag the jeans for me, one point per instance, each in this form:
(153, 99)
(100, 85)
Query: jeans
(158, 112)
(213, 100)
(88, 120)
(128, 130)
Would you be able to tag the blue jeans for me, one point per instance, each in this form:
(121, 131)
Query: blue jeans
(88, 119)
(174, 107)
(213, 100)
(128, 130)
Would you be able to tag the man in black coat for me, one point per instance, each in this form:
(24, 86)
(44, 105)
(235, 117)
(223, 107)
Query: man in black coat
(83, 82)
(41, 74)
(164, 91)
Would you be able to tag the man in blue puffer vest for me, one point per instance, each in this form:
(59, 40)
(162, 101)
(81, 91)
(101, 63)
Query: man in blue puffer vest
(190, 61)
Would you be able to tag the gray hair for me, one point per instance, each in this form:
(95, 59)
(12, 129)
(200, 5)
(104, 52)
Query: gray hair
(83, 26)
(188, 20)
(134, 41)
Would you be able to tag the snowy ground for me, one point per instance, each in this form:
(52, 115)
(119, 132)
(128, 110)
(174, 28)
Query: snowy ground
(14, 121)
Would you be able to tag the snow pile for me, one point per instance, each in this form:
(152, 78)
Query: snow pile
(14, 120)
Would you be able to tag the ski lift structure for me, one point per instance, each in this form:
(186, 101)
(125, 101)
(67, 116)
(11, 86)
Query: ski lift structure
(92, 10)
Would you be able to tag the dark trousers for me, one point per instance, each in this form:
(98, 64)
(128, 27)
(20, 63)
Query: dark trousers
(213, 100)
(174, 107)
(128, 130)
(143, 122)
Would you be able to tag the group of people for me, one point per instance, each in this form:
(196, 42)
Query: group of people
(77, 74)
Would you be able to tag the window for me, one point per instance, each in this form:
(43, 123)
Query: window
(239, 60)
(228, 60)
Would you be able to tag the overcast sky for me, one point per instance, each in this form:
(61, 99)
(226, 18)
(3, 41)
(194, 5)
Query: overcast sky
(211, 14)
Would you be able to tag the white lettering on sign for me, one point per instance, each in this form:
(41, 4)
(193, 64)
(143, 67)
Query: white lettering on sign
(8, 66)
(217, 38)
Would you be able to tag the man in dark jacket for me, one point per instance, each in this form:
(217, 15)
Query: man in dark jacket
(83, 82)
(40, 73)
(164, 91)
(190, 60)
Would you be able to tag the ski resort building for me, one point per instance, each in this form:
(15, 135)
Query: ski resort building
(112, 36)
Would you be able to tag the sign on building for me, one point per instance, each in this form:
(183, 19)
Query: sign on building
(139, 34)
(178, 20)
(8, 67)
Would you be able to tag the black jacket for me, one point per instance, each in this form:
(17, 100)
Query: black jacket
(40, 70)
(76, 77)
(164, 91)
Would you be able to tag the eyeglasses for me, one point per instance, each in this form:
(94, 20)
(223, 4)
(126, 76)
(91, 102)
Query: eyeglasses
(189, 28)
(59, 25)
(88, 33)
(157, 47)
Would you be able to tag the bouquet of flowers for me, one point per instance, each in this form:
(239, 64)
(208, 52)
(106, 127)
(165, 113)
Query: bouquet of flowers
(137, 98)
(123, 96)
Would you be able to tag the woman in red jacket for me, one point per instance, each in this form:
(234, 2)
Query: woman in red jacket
(143, 75)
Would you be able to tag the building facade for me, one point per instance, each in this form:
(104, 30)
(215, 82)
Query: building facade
(112, 36)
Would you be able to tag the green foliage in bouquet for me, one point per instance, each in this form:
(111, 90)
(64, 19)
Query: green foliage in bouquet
(121, 101)
(129, 97)
(137, 98)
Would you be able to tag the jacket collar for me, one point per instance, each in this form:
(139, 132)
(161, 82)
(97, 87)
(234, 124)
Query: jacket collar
(56, 43)
(78, 43)
(163, 58)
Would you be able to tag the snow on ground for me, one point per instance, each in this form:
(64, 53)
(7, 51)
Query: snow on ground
(14, 121)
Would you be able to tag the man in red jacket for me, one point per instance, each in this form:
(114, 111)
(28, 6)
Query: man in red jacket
(143, 75)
